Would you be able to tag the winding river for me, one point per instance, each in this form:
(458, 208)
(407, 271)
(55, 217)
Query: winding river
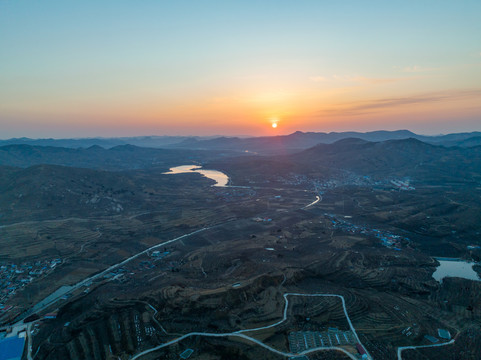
(220, 178)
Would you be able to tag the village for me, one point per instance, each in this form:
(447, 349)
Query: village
(14, 277)
(388, 239)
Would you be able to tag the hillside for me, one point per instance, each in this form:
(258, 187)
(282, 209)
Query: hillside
(380, 160)
(51, 192)
(117, 158)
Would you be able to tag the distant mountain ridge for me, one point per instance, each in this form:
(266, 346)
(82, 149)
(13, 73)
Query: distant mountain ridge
(300, 140)
(281, 144)
(142, 141)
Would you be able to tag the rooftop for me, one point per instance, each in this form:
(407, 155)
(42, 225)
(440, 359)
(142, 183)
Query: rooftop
(11, 348)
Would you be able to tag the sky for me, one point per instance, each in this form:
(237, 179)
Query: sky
(126, 68)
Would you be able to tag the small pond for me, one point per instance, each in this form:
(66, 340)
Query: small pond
(455, 268)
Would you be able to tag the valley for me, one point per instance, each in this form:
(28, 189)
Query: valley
(155, 266)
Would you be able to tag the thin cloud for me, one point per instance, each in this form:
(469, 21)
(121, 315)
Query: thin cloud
(364, 107)
(417, 69)
(356, 79)
(318, 78)
(366, 80)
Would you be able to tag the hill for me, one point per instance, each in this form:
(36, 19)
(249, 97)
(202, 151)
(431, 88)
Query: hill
(142, 141)
(267, 145)
(120, 157)
(285, 144)
(379, 160)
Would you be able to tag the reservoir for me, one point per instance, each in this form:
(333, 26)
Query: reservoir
(220, 178)
(455, 268)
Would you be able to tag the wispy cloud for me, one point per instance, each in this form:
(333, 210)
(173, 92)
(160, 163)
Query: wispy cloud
(365, 107)
(366, 80)
(418, 69)
(318, 78)
(356, 79)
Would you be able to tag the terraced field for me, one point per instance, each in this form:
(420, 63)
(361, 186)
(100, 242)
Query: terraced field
(122, 330)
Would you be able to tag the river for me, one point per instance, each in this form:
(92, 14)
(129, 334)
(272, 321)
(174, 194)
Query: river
(220, 178)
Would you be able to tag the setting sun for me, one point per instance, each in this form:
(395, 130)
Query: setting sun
(274, 125)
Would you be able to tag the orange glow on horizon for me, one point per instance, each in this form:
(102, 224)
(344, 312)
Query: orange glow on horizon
(235, 114)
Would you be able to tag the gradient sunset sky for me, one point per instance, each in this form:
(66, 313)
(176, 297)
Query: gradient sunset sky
(127, 68)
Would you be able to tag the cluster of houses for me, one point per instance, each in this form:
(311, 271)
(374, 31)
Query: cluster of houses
(387, 239)
(402, 185)
(261, 219)
(13, 277)
(346, 178)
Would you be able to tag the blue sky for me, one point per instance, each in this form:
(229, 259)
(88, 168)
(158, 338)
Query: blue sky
(207, 67)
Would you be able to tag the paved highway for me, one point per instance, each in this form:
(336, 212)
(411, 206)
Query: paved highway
(106, 271)
(235, 334)
(102, 273)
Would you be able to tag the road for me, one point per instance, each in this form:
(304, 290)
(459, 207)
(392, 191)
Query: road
(265, 188)
(102, 273)
(343, 306)
(318, 198)
(113, 267)
(43, 222)
(240, 334)
(29, 341)
(402, 348)
(109, 269)
(282, 353)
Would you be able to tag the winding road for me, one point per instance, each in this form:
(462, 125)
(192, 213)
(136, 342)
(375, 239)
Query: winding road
(318, 198)
(402, 348)
(106, 271)
(240, 334)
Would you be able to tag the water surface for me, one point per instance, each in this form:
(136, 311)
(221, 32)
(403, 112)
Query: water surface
(220, 178)
(455, 268)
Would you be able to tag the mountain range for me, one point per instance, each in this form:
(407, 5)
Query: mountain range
(410, 158)
(263, 145)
